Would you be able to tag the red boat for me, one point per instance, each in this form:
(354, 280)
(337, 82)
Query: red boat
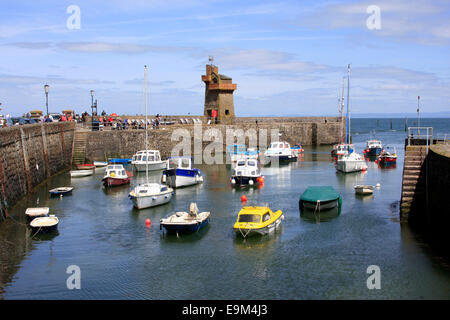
(386, 158)
(116, 175)
(85, 166)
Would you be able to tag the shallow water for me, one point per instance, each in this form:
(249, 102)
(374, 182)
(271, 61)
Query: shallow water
(120, 258)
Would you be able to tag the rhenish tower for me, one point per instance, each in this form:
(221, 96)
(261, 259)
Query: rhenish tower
(218, 95)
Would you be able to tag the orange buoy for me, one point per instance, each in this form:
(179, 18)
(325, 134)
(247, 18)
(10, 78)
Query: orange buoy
(244, 198)
(148, 222)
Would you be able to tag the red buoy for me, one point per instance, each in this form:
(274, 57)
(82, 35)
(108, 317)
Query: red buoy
(148, 222)
(244, 198)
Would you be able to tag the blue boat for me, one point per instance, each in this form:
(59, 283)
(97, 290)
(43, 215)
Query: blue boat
(373, 148)
(183, 222)
(180, 173)
(120, 160)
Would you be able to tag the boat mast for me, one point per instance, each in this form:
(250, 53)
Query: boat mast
(341, 110)
(146, 132)
(348, 104)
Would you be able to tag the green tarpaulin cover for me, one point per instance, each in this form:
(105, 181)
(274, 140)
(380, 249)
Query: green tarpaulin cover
(322, 193)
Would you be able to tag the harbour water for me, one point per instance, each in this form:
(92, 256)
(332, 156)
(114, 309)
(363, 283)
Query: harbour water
(120, 258)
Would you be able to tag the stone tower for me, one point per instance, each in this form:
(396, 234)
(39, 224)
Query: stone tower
(218, 95)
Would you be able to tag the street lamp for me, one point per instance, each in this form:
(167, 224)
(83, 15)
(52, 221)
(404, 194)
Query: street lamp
(46, 96)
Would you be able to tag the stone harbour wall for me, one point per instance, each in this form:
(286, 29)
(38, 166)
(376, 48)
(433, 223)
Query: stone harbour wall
(29, 154)
(124, 143)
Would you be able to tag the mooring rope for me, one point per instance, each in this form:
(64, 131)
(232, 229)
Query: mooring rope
(317, 206)
(248, 231)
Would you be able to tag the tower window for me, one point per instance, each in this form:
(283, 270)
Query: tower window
(227, 112)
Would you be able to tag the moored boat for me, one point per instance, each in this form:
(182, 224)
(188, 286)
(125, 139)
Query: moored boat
(373, 148)
(60, 191)
(147, 160)
(364, 189)
(100, 164)
(116, 175)
(150, 195)
(180, 173)
(81, 173)
(180, 222)
(279, 151)
(85, 166)
(119, 160)
(387, 159)
(33, 213)
(257, 220)
(320, 198)
(297, 149)
(44, 224)
(246, 172)
(352, 162)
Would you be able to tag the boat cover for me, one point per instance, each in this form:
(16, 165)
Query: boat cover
(322, 193)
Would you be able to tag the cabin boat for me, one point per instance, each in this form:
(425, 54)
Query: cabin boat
(81, 173)
(257, 220)
(180, 173)
(237, 152)
(298, 149)
(116, 175)
(373, 148)
(150, 195)
(44, 224)
(387, 159)
(341, 149)
(363, 189)
(185, 221)
(60, 191)
(32, 213)
(352, 162)
(149, 160)
(279, 151)
(247, 172)
(320, 198)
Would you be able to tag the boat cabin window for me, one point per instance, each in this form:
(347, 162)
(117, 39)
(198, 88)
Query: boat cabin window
(139, 158)
(252, 163)
(173, 163)
(185, 163)
(242, 148)
(163, 189)
(123, 172)
(241, 163)
(266, 216)
(151, 158)
(249, 218)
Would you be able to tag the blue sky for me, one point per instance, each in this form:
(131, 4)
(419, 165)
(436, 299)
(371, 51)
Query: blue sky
(287, 57)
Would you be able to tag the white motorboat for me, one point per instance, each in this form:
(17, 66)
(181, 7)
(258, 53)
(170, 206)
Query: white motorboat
(279, 151)
(247, 172)
(364, 189)
(184, 221)
(180, 173)
(116, 175)
(81, 173)
(352, 162)
(147, 160)
(37, 212)
(150, 195)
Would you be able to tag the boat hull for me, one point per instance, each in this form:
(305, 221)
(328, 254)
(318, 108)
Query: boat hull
(142, 167)
(81, 173)
(245, 180)
(373, 151)
(58, 193)
(148, 201)
(111, 182)
(324, 205)
(178, 178)
(351, 166)
(184, 228)
(244, 233)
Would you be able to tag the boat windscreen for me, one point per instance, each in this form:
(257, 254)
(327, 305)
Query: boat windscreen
(249, 218)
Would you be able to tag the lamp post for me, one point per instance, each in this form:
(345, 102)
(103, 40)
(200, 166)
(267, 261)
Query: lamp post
(46, 96)
(92, 110)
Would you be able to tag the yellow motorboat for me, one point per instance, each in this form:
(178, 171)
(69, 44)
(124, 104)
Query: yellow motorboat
(257, 220)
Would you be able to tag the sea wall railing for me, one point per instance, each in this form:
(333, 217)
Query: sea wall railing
(420, 136)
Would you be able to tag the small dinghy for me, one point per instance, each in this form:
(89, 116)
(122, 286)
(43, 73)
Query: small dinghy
(363, 189)
(33, 213)
(61, 191)
(99, 164)
(81, 173)
(44, 224)
(185, 222)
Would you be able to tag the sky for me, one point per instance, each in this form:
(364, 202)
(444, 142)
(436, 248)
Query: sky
(288, 58)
